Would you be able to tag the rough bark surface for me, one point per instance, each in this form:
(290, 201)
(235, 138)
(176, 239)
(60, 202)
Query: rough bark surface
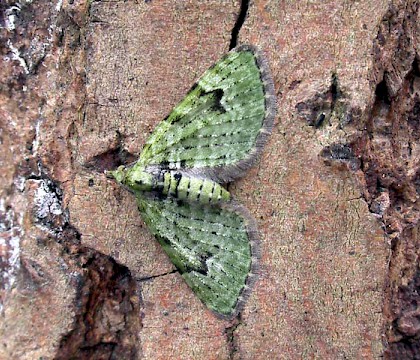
(336, 194)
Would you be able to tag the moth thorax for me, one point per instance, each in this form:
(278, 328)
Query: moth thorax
(139, 179)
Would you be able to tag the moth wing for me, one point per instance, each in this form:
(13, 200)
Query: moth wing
(214, 248)
(220, 127)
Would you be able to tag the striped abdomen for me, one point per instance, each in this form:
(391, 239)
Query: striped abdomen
(185, 187)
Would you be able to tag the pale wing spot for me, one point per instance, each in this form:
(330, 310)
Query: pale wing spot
(240, 299)
(264, 131)
(253, 151)
(269, 113)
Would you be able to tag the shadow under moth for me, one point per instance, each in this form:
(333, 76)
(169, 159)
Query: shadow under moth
(210, 138)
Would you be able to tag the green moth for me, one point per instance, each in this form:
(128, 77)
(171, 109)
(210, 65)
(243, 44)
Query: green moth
(210, 138)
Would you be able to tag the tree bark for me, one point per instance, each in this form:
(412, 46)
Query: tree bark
(335, 195)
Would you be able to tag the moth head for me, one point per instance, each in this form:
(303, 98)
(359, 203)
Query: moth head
(117, 174)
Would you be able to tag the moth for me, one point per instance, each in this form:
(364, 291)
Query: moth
(209, 139)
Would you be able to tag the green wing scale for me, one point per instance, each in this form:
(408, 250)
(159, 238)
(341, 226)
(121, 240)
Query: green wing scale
(210, 138)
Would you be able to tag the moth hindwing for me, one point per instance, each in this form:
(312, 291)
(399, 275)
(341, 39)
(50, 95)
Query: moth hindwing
(210, 138)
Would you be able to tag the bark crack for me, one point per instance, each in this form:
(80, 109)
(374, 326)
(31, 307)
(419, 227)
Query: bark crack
(231, 339)
(243, 12)
(152, 277)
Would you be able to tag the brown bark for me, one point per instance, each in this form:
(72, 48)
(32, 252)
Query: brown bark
(335, 196)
